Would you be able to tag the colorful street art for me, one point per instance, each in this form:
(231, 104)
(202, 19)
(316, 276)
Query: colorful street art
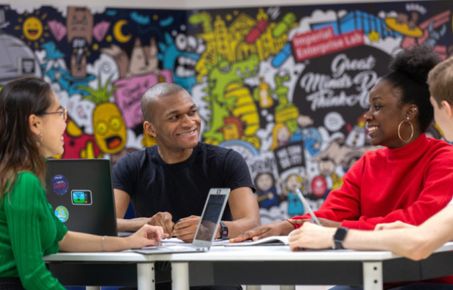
(284, 86)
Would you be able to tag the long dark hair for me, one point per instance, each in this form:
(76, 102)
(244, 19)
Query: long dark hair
(19, 145)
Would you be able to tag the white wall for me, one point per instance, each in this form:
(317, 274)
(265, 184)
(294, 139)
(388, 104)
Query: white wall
(174, 4)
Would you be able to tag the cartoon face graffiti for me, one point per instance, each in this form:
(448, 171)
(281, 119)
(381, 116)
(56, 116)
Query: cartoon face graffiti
(292, 182)
(264, 181)
(32, 28)
(109, 128)
(180, 55)
(79, 23)
(319, 186)
(143, 58)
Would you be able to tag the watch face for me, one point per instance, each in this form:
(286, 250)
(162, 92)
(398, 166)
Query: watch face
(339, 236)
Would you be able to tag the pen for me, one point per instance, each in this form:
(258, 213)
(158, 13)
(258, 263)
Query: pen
(307, 207)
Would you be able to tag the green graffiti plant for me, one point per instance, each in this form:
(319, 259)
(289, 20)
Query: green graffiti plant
(102, 93)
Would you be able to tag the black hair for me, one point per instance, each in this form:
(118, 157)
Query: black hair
(409, 73)
(155, 92)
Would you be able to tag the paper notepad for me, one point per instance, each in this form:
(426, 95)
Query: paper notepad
(268, 241)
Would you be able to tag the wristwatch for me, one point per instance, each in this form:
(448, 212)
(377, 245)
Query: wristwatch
(338, 238)
(223, 231)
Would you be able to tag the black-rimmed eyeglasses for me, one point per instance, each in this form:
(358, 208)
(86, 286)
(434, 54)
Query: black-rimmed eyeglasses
(63, 112)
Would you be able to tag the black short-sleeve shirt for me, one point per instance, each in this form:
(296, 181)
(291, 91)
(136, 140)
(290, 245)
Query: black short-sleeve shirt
(180, 188)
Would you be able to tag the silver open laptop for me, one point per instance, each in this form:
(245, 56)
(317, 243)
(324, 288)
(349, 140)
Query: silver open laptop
(206, 229)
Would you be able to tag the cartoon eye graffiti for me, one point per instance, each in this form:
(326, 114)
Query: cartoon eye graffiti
(181, 41)
(101, 128)
(115, 124)
(192, 43)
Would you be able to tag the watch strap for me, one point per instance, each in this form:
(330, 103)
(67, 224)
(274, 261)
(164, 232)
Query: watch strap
(223, 231)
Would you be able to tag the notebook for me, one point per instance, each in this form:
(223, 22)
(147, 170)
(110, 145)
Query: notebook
(81, 194)
(279, 240)
(267, 241)
(206, 229)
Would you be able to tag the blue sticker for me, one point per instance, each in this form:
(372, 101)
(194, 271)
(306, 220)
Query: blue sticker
(81, 197)
(62, 213)
(60, 184)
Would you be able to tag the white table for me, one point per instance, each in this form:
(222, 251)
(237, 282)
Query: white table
(275, 265)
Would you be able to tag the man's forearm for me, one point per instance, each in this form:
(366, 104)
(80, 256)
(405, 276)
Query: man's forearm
(239, 226)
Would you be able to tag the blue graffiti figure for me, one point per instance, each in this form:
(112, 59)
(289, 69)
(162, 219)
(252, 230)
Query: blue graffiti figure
(55, 69)
(282, 56)
(167, 21)
(52, 52)
(180, 56)
(140, 19)
(311, 137)
(435, 35)
(295, 206)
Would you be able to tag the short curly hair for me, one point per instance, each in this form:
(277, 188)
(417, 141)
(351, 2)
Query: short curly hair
(409, 73)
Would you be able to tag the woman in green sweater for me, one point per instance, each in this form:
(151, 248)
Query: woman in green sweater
(32, 123)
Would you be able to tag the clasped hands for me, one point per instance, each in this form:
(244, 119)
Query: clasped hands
(184, 229)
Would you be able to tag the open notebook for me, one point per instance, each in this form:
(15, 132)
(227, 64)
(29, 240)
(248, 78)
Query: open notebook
(268, 241)
(206, 229)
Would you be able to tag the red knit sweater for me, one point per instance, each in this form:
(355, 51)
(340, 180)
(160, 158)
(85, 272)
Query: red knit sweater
(408, 184)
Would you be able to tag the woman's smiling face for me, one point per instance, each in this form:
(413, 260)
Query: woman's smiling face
(385, 114)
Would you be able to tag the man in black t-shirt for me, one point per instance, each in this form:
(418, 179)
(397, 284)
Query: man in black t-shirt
(168, 183)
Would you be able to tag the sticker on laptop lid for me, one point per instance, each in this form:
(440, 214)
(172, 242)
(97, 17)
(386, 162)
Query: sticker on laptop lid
(62, 213)
(59, 184)
(81, 197)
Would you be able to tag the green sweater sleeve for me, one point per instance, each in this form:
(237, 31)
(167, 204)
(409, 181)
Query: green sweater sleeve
(33, 231)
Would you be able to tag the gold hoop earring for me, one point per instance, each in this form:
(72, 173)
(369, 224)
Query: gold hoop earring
(405, 141)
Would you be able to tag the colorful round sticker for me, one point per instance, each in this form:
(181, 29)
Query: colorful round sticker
(60, 184)
(62, 213)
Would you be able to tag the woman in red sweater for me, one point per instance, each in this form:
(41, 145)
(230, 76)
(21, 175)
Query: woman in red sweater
(410, 178)
(403, 239)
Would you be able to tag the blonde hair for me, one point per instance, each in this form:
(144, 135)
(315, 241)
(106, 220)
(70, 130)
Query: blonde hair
(440, 81)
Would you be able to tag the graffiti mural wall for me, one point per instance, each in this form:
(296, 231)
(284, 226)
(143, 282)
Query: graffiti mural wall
(285, 86)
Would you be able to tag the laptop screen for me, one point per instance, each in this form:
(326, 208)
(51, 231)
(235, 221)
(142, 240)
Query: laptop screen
(80, 192)
(212, 212)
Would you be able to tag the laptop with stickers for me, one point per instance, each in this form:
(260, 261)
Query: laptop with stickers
(81, 194)
(206, 229)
